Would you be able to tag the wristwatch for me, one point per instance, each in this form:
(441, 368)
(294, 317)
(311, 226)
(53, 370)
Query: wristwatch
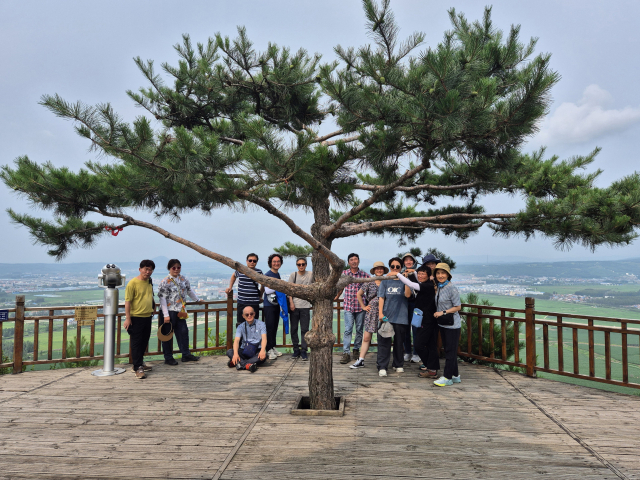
(444, 312)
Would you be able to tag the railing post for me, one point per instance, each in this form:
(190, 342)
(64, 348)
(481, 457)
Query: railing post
(230, 329)
(530, 330)
(18, 335)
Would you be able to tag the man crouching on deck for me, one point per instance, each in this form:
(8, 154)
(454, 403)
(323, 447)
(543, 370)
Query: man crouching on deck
(250, 345)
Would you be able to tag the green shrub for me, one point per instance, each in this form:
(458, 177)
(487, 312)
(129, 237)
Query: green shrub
(71, 352)
(474, 299)
(222, 341)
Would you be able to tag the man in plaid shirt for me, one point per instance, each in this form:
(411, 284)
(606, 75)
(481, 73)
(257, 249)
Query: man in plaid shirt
(352, 311)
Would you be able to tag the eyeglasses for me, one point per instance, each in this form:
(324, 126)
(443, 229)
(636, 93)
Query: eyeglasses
(300, 264)
(248, 314)
(176, 267)
(395, 267)
(252, 261)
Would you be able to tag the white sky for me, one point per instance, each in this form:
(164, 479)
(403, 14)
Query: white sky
(83, 51)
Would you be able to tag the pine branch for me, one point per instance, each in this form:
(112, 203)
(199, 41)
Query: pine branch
(328, 232)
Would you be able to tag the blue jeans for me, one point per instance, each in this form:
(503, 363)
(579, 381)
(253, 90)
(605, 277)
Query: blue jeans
(180, 333)
(349, 319)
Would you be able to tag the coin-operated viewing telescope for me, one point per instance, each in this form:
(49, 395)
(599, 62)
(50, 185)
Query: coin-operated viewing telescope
(110, 279)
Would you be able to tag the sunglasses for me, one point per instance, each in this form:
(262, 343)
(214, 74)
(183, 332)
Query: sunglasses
(300, 264)
(252, 261)
(248, 314)
(176, 267)
(395, 267)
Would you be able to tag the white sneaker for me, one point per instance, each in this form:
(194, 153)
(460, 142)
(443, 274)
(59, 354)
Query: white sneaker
(415, 359)
(399, 369)
(272, 355)
(407, 357)
(455, 379)
(382, 373)
(359, 364)
(279, 354)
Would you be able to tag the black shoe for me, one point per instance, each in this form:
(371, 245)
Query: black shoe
(304, 357)
(190, 358)
(252, 367)
(296, 354)
(171, 362)
(230, 364)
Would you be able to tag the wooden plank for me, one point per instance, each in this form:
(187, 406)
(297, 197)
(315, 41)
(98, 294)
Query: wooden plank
(50, 337)
(625, 355)
(516, 341)
(592, 358)
(206, 329)
(480, 335)
(195, 330)
(78, 338)
(492, 345)
(560, 344)
(503, 332)
(576, 359)
(545, 344)
(607, 354)
(64, 338)
(36, 338)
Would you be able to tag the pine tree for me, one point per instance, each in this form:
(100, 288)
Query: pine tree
(423, 134)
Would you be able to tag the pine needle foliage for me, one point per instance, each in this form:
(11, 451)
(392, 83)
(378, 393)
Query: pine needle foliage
(417, 126)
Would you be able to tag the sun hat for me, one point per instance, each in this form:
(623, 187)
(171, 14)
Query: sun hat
(445, 267)
(386, 330)
(377, 265)
(430, 258)
(165, 337)
(409, 254)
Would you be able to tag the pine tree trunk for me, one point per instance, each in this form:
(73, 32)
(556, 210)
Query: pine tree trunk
(320, 337)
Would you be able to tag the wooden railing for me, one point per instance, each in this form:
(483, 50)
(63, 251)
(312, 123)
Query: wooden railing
(606, 343)
(597, 345)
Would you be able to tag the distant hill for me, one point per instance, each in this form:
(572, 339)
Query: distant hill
(572, 269)
(15, 270)
(604, 269)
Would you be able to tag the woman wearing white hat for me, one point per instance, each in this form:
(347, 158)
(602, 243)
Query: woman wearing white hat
(448, 305)
(368, 299)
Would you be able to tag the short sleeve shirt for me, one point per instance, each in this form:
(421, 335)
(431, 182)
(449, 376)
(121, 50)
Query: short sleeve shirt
(248, 290)
(298, 279)
(140, 294)
(447, 297)
(351, 291)
(254, 332)
(395, 303)
(267, 303)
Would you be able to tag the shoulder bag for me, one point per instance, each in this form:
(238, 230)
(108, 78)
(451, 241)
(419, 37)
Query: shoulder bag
(250, 350)
(447, 319)
(182, 313)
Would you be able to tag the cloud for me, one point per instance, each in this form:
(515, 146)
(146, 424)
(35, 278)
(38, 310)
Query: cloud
(586, 120)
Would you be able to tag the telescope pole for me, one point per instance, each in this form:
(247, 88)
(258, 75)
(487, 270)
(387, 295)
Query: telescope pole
(110, 311)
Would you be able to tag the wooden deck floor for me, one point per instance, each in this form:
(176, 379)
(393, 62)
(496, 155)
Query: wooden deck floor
(207, 421)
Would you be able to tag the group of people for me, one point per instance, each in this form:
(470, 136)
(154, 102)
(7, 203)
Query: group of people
(139, 306)
(409, 302)
(417, 301)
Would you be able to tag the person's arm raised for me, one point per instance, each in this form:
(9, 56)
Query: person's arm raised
(409, 283)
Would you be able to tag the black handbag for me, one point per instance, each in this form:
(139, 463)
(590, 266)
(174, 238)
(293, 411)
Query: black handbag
(447, 319)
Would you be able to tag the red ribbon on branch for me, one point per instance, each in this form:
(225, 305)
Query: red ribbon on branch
(114, 230)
